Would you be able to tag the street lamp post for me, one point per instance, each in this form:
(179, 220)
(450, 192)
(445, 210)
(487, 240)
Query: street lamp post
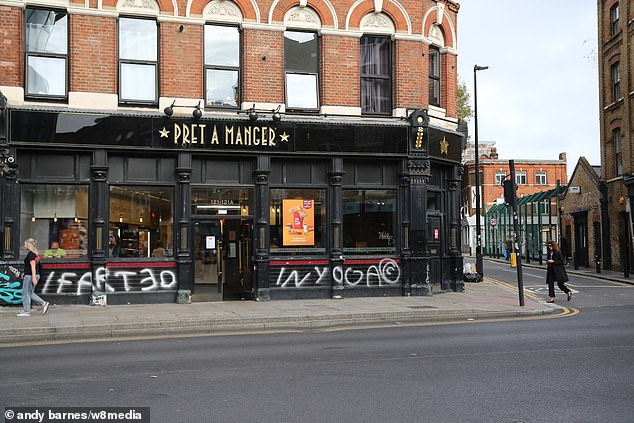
(477, 68)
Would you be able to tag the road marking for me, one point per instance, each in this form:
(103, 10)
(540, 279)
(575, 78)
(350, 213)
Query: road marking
(529, 294)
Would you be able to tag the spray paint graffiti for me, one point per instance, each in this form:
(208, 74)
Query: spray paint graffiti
(10, 284)
(386, 272)
(109, 280)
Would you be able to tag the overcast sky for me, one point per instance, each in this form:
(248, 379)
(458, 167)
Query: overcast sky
(540, 95)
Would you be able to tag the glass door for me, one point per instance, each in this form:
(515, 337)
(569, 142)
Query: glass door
(223, 259)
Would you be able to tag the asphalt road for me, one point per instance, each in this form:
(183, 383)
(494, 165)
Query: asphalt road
(564, 369)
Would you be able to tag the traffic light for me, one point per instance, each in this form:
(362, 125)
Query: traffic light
(510, 191)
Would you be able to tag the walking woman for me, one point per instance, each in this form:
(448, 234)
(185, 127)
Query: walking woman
(30, 279)
(556, 272)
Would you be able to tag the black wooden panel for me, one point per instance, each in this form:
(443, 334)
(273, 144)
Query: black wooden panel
(222, 171)
(141, 169)
(297, 172)
(115, 165)
(54, 167)
(167, 169)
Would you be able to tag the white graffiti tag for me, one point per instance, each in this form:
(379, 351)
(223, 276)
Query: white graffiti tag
(294, 277)
(386, 272)
(145, 280)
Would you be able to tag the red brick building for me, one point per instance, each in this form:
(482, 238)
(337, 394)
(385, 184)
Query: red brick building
(531, 176)
(232, 148)
(616, 101)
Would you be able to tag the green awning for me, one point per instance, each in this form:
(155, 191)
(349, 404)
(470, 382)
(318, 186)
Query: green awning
(531, 198)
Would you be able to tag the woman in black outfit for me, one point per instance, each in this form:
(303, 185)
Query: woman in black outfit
(556, 272)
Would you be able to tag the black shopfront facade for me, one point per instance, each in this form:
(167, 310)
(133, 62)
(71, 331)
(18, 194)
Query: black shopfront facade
(146, 206)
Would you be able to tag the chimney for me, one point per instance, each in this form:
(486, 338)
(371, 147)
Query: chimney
(562, 157)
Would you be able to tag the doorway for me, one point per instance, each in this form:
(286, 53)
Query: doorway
(223, 259)
(581, 238)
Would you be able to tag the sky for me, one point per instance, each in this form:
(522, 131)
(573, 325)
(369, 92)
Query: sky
(540, 95)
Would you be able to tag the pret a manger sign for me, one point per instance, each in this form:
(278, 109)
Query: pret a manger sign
(222, 135)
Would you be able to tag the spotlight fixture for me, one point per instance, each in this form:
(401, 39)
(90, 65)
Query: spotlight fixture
(197, 112)
(277, 116)
(169, 110)
(253, 115)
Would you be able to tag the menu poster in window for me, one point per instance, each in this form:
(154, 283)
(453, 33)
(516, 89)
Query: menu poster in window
(69, 239)
(299, 222)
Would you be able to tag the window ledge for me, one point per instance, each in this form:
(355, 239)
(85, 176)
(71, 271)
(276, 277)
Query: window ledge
(614, 105)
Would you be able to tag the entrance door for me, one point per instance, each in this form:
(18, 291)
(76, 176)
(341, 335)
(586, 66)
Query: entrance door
(581, 238)
(222, 259)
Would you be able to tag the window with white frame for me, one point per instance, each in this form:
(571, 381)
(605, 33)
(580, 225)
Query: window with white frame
(618, 152)
(544, 206)
(222, 66)
(520, 177)
(500, 175)
(614, 19)
(540, 177)
(376, 75)
(615, 71)
(138, 60)
(301, 67)
(46, 53)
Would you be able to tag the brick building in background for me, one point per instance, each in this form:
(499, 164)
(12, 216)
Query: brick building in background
(232, 148)
(532, 176)
(616, 101)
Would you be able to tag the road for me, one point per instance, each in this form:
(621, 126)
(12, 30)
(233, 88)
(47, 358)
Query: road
(563, 369)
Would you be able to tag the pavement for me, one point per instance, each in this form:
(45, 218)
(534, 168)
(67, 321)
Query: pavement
(73, 323)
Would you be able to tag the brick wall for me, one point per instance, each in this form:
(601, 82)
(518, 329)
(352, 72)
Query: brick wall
(11, 72)
(181, 63)
(410, 75)
(93, 54)
(340, 60)
(263, 56)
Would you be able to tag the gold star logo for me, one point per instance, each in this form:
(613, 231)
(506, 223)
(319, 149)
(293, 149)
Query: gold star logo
(444, 146)
(284, 137)
(164, 133)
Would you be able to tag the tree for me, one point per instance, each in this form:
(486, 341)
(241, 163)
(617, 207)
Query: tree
(463, 101)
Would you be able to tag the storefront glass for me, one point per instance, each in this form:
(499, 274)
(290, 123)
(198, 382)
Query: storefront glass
(140, 221)
(57, 217)
(221, 201)
(298, 220)
(369, 221)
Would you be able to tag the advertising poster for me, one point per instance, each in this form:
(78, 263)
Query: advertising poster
(298, 222)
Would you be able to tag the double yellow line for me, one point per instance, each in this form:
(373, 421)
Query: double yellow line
(567, 312)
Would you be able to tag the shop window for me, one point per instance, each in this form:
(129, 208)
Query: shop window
(618, 151)
(221, 201)
(540, 177)
(55, 214)
(297, 220)
(615, 71)
(369, 220)
(376, 75)
(434, 76)
(301, 67)
(138, 60)
(222, 66)
(614, 19)
(46, 53)
(140, 221)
